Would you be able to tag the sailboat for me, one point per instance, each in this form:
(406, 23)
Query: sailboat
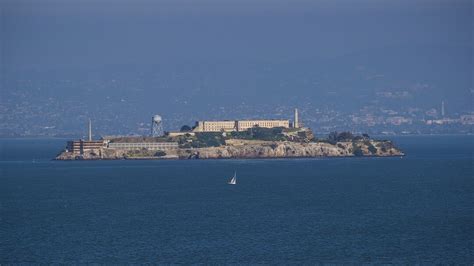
(233, 181)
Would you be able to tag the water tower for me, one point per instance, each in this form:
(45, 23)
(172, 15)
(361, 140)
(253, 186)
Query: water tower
(156, 126)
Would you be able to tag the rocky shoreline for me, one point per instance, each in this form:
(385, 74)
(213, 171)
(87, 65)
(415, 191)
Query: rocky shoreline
(236, 149)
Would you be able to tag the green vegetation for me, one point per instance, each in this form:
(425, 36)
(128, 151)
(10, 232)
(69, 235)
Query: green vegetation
(306, 135)
(370, 147)
(343, 136)
(385, 146)
(356, 150)
(260, 133)
(160, 153)
(185, 128)
(206, 139)
(335, 137)
(139, 153)
(214, 139)
(200, 140)
(210, 139)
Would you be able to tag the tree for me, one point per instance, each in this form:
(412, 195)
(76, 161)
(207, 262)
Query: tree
(332, 138)
(185, 128)
(358, 152)
(208, 139)
(372, 149)
(345, 136)
(160, 153)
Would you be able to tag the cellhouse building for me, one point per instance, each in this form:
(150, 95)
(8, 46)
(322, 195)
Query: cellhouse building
(243, 125)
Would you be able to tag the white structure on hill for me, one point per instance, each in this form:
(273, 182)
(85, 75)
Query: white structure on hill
(243, 125)
(296, 123)
(156, 126)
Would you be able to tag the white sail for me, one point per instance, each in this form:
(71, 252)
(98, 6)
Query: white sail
(233, 181)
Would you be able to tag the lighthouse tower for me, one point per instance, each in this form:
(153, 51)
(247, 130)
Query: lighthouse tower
(296, 123)
(90, 130)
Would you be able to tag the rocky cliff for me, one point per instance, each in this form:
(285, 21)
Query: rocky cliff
(249, 149)
(292, 149)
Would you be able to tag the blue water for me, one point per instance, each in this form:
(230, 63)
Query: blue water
(416, 209)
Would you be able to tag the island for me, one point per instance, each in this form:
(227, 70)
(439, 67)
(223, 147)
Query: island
(249, 143)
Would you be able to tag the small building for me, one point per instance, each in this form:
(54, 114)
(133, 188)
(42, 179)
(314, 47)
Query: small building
(142, 145)
(179, 133)
(81, 146)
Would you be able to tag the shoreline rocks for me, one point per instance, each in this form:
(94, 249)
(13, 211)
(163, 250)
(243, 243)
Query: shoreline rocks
(250, 150)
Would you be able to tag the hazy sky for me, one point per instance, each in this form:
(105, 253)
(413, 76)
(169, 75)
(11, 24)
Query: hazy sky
(55, 33)
(117, 61)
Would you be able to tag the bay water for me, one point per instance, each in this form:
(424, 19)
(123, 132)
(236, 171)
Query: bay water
(413, 209)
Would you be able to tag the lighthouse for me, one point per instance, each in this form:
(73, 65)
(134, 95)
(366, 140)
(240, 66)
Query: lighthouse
(296, 123)
(90, 130)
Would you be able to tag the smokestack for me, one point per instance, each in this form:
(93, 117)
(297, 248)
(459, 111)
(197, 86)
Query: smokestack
(90, 130)
(442, 108)
(296, 123)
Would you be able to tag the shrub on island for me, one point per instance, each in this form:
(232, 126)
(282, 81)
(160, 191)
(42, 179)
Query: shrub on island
(160, 153)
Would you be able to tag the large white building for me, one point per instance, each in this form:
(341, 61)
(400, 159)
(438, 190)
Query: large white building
(243, 125)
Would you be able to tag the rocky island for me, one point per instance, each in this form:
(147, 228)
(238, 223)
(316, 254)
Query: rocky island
(255, 142)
